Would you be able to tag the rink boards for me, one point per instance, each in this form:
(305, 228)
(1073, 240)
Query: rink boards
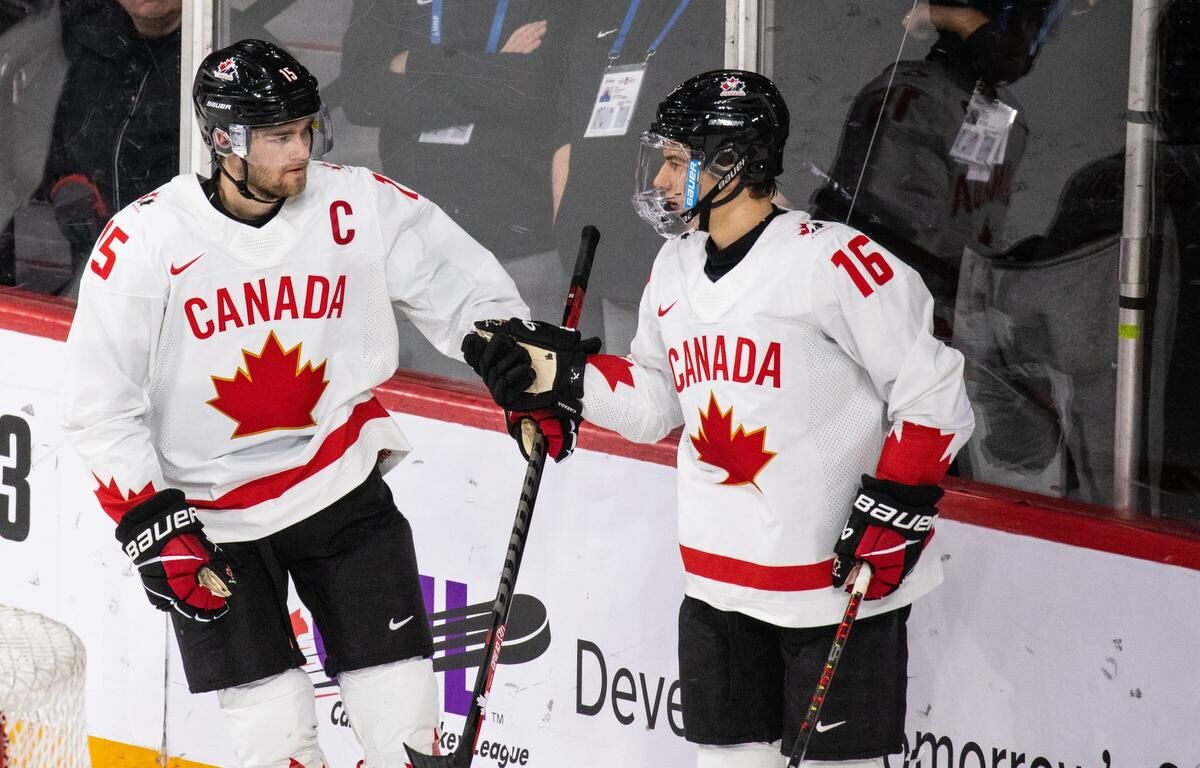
(1060, 638)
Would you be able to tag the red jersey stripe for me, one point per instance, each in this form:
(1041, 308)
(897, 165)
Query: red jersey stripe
(273, 486)
(743, 573)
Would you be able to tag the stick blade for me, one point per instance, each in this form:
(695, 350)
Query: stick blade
(420, 760)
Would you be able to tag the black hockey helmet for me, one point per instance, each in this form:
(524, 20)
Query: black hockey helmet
(253, 83)
(729, 108)
(727, 124)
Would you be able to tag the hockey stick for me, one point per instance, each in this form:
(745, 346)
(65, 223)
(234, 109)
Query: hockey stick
(462, 754)
(800, 748)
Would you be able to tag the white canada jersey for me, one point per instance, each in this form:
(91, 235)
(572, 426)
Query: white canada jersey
(236, 363)
(789, 374)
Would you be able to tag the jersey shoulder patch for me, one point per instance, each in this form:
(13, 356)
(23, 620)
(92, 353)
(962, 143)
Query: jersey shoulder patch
(811, 227)
(145, 200)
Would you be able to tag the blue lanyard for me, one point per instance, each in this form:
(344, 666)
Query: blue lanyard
(1049, 22)
(435, 24)
(623, 32)
(497, 24)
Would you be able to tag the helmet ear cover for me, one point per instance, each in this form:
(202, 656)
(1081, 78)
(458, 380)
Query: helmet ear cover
(221, 142)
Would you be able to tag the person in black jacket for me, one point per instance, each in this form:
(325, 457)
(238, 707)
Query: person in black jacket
(666, 41)
(462, 102)
(116, 127)
(897, 176)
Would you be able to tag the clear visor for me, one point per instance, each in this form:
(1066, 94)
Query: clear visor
(284, 145)
(672, 178)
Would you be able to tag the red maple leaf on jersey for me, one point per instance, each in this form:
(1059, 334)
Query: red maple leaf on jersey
(741, 454)
(272, 391)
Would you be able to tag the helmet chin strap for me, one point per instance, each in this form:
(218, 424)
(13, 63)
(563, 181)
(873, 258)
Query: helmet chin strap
(242, 188)
(704, 206)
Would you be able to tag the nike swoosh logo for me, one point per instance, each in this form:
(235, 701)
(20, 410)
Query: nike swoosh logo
(822, 727)
(394, 625)
(662, 312)
(179, 270)
(890, 550)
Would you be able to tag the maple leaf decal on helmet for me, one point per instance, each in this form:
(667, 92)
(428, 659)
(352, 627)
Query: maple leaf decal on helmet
(740, 453)
(271, 391)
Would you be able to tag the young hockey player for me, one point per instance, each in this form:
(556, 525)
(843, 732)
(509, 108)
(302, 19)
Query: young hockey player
(219, 375)
(819, 416)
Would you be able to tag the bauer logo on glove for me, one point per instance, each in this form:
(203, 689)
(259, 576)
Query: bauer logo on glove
(163, 528)
(891, 516)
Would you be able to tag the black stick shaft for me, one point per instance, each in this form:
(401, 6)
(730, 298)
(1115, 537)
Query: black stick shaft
(508, 582)
(800, 748)
(588, 239)
(465, 751)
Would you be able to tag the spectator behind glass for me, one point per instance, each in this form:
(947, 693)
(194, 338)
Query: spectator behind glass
(116, 128)
(1048, 385)
(894, 165)
(463, 118)
(32, 70)
(462, 112)
(591, 181)
(1179, 102)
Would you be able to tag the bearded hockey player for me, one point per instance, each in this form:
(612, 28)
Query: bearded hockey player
(219, 376)
(819, 416)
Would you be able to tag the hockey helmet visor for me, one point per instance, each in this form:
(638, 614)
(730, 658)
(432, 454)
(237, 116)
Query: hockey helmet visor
(277, 145)
(672, 178)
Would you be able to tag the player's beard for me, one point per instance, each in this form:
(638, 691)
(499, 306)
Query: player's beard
(276, 183)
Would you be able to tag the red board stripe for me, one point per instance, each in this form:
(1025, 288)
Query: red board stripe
(1002, 509)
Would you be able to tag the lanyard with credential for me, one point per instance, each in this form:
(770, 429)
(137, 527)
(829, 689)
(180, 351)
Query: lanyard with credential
(619, 43)
(435, 24)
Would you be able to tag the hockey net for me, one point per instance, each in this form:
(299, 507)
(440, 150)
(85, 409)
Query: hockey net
(41, 693)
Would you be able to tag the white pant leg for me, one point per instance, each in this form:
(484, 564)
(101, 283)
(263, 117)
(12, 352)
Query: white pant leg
(755, 755)
(273, 721)
(391, 705)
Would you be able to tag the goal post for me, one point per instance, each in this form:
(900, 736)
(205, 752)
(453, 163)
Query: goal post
(42, 678)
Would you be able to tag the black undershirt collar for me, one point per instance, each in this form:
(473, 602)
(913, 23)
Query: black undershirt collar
(719, 262)
(210, 191)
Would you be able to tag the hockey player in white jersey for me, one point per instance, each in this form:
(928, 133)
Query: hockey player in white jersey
(219, 374)
(819, 416)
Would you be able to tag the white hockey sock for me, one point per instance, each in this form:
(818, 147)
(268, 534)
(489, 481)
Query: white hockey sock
(870, 762)
(756, 755)
(391, 705)
(273, 721)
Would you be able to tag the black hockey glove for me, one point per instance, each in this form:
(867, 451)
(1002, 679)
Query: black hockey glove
(80, 212)
(888, 528)
(502, 364)
(557, 356)
(166, 542)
